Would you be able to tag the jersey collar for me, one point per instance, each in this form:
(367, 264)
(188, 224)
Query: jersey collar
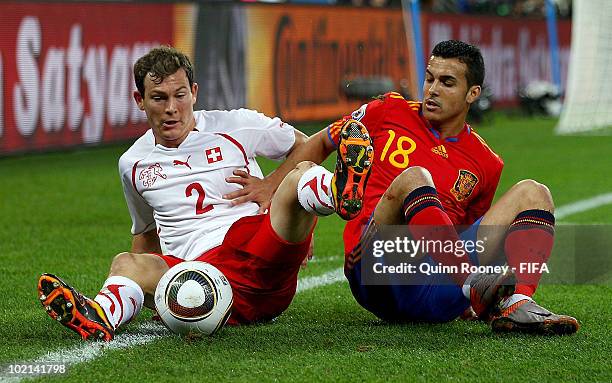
(465, 131)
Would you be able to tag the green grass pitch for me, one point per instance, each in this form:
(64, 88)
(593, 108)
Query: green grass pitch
(64, 213)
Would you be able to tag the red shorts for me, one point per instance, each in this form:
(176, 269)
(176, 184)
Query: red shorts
(261, 267)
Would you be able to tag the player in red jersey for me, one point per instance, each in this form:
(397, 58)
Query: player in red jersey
(179, 184)
(434, 173)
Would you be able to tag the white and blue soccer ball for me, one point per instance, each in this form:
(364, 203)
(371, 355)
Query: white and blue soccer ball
(194, 298)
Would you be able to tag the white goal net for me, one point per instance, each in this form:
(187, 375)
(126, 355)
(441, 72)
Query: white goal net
(588, 99)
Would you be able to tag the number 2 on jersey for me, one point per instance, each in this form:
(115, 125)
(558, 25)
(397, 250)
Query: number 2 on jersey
(200, 209)
(401, 151)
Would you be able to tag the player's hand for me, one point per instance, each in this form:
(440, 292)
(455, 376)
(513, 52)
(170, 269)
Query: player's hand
(254, 189)
(309, 255)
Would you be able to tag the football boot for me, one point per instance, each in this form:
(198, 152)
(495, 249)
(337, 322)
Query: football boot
(488, 290)
(529, 317)
(73, 310)
(353, 164)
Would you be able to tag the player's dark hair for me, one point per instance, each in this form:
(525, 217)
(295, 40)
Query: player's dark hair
(465, 53)
(160, 63)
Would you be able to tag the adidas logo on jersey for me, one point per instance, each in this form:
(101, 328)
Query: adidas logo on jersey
(440, 150)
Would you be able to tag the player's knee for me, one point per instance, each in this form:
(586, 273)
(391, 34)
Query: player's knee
(124, 262)
(533, 189)
(299, 170)
(144, 269)
(129, 263)
(410, 179)
(416, 176)
(534, 195)
(304, 165)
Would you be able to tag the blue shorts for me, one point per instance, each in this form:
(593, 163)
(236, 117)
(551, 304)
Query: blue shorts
(436, 300)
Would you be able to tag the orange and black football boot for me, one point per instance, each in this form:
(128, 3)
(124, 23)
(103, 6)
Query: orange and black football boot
(73, 310)
(355, 154)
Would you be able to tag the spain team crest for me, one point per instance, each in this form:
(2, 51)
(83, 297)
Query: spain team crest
(464, 185)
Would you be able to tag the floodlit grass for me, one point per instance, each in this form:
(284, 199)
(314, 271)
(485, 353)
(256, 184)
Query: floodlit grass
(64, 213)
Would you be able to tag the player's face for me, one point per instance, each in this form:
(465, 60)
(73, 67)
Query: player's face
(169, 107)
(446, 96)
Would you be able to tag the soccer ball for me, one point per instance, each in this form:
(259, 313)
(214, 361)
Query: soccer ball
(194, 298)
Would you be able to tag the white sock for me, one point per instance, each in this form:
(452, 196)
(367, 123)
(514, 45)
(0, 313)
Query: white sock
(121, 298)
(314, 191)
(512, 299)
(465, 289)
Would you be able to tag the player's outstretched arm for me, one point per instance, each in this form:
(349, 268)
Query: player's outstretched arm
(315, 149)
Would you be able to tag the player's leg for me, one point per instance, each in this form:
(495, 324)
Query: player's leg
(261, 266)
(525, 196)
(131, 284)
(427, 299)
(261, 255)
(412, 199)
(288, 218)
(311, 190)
(120, 300)
(522, 223)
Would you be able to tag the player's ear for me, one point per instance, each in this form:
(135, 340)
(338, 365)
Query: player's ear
(473, 93)
(138, 99)
(194, 92)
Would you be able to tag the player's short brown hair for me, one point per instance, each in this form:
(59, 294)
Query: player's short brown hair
(468, 54)
(160, 63)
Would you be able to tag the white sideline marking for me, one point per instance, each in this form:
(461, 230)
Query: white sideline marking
(150, 331)
(333, 258)
(145, 333)
(583, 205)
(321, 280)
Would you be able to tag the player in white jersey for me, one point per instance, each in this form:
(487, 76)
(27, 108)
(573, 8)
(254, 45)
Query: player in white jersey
(167, 187)
(177, 180)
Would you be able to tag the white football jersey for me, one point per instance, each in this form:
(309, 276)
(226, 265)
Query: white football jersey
(178, 191)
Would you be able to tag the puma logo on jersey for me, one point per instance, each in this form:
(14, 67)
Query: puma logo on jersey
(440, 150)
(149, 175)
(179, 162)
(213, 155)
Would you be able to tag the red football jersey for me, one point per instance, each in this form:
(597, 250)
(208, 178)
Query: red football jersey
(465, 170)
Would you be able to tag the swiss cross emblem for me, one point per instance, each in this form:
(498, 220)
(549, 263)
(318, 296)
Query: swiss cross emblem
(213, 155)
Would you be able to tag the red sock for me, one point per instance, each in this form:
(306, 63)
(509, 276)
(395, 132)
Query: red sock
(427, 220)
(528, 245)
